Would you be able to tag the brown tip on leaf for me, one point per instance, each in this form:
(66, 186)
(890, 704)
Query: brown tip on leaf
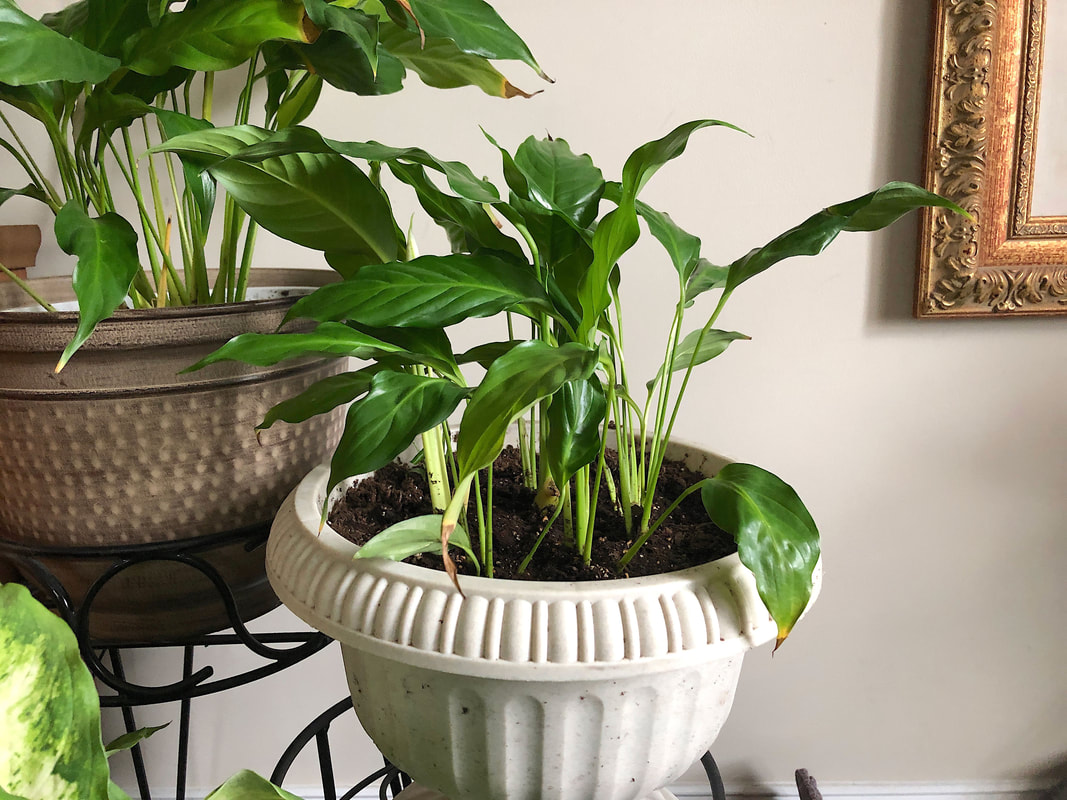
(450, 568)
(422, 34)
(511, 90)
(59, 367)
(543, 76)
(783, 634)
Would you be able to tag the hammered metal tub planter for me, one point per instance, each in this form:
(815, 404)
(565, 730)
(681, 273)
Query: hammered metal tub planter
(119, 450)
(605, 690)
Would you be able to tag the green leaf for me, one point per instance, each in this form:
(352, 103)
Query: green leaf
(31, 52)
(442, 65)
(867, 213)
(247, 785)
(776, 536)
(318, 200)
(682, 247)
(214, 35)
(381, 425)
(646, 160)
(200, 183)
(485, 354)
(106, 112)
(475, 28)
(321, 397)
(344, 64)
(560, 180)
(429, 346)
(713, 345)
(307, 140)
(114, 792)
(49, 709)
(412, 537)
(361, 28)
(705, 277)
(615, 234)
(106, 248)
(109, 23)
(576, 417)
(30, 190)
(129, 740)
(429, 291)
(516, 380)
(265, 349)
(298, 106)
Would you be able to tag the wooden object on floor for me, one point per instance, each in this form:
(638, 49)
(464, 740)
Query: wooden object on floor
(18, 248)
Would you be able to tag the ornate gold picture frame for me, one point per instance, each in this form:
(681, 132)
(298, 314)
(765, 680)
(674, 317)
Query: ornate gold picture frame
(985, 93)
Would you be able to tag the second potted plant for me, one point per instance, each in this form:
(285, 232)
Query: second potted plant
(507, 688)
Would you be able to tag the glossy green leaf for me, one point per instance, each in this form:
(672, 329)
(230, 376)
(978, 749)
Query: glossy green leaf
(200, 183)
(713, 344)
(867, 213)
(307, 140)
(106, 112)
(131, 739)
(247, 785)
(361, 28)
(430, 291)
(109, 23)
(214, 35)
(321, 397)
(576, 417)
(412, 537)
(106, 248)
(485, 354)
(318, 200)
(647, 159)
(31, 52)
(440, 63)
(776, 536)
(343, 63)
(429, 346)
(329, 338)
(560, 180)
(69, 20)
(615, 234)
(49, 708)
(114, 792)
(382, 424)
(475, 27)
(705, 277)
(528, 373)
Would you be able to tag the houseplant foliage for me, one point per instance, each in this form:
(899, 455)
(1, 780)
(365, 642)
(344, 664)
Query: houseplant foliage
(103, 79)
(548, 257)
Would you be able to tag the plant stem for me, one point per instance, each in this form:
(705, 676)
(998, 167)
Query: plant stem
(27, 289)
(436, 469)
(652, 529)
(487, 557)
(541, 536)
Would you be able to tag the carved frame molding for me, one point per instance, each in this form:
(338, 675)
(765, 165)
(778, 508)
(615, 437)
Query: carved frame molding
(984, 102)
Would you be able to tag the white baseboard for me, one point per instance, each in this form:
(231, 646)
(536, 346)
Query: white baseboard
(975, 790)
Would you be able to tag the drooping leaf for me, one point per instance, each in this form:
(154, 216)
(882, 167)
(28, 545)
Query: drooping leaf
(475, 27)
(321, 397)
(381, 425)
(439, 63)
(329, 338)
(412, 537)
(247, 785)
(867, 213)
(516, 380)
(647, 159)
(49, 708)
(429, 346)
(106, 248)
(575, 420)
(776, 536)
(429, 291)
(560, 180)
(318, 200)
(31, 52)
(214, 35)
(712, 345)
(358, 26)
(343, 63)
(682, 246)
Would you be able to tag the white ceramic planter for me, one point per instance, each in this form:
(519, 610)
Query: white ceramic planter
(605, 690)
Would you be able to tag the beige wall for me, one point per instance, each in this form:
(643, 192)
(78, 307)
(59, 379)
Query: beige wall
(932, 454)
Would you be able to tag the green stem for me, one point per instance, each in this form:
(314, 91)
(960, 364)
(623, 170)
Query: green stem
(27, 289)
(436, 469)
(652, 529)
(544, 532)
(487, 557)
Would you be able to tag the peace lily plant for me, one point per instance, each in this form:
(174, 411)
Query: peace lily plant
(102, 80)
(547, 258)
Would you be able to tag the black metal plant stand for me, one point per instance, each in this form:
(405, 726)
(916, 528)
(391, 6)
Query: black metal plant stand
(194, 682)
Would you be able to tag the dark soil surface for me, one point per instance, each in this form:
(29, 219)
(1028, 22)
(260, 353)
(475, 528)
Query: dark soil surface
(687, 539)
